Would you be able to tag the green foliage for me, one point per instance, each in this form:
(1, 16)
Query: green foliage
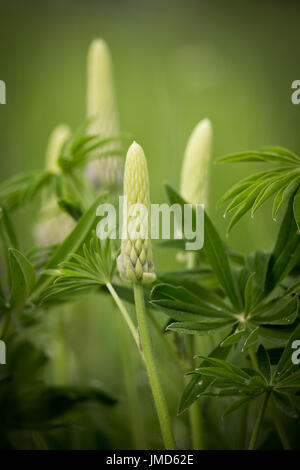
(93, 268)
(252, 192)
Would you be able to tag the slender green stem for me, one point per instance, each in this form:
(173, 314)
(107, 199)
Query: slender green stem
(125, 314)
(130, 381)
(195, 411)
(279, 427)
(259, 421)
(160, 403)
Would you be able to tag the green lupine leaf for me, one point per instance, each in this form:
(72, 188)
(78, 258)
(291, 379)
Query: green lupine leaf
(255, 179)
(285, 194)
(233, 339)
(291, 382)
(71, 244)
(248, 295)
(236, 405)
(251, 339)
(226, 365)
(249, 194)
(21, 188)
(198, 384)
(279, 335)
(282, 151)
(7, 231)
(182, 305)
(286, 253)
(74, 211)
(258, 263)
(264, 156)
(199, 328)
(214, 251)
(22, 278)
(217, 257)
(94, 269)
(282, 311)
(271, 188)
(222, 373)
(286, 358)
(285, 404)
(296, 208)
(264, 363)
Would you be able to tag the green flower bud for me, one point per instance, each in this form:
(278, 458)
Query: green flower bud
(53, 226)
(195, 169)
(102, 111)
(135, 262)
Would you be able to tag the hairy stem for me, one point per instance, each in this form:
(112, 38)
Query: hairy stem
(124, 313)
(195, 411)
(159, 399)
(259, 421)
(130, 381)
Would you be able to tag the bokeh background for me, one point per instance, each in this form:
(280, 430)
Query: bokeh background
(175, 63)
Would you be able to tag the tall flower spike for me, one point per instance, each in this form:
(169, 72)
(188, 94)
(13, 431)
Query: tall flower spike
(102, 111)
(135, 262)
(53, 226)
(195, 169)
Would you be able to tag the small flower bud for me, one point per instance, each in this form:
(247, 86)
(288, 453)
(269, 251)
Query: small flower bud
(53, 226)
(195, 169)
(102, 111)
(135, 262)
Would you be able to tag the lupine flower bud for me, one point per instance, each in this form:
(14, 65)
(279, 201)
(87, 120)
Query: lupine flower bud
(53, 226)
(195, 168)
(102, 111)
(135, 262)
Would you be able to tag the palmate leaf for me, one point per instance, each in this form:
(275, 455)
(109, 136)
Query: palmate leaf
(71, 245)
(79, 148)
(22, 188)
(22, 278)
(281, 380)
(183, 305)
(252, 192)
(199, 384)
(95, 267)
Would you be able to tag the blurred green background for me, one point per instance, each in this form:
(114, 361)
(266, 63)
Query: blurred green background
(175, 63)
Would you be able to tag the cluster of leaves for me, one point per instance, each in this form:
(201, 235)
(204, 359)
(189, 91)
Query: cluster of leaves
(29, 406)
(72, 190)
(252, 303)
(252, 192)
(31, 409)
(93, 268)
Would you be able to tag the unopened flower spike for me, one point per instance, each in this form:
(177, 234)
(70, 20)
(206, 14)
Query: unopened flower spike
(135, 262)
(105, 172)
(194, 184)
(53, 226)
